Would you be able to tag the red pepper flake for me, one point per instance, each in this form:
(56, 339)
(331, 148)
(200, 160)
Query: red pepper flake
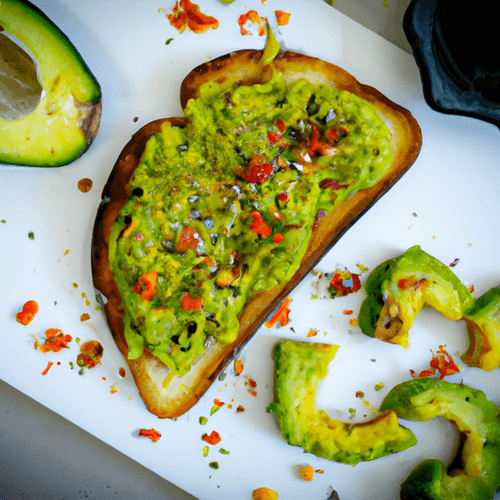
(55, 340)
(213, 438)
(251, 382)
(282, 18)
(47, 368)
(252, 392)
(273, 137)
(238, 367)
(189, 303)
(252, 17)
(218, 402)
(280, 124)
(317, 146)
(283, 197)
(312, 333)
(343, 283)
(26, 316)
(188, 15)
(146, 286)
(90, 354)
(122, 372)
(278, 238)
(402, 283)
(455, 262)
(281, 314)
(258, 171)
(152, 434)
(188, 240)
(472, 288)
(258, 226)
(441, 362)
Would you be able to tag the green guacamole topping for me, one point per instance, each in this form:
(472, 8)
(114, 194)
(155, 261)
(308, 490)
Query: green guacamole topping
(223, 208)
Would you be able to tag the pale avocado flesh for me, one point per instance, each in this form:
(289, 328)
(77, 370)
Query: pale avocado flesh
(66, 118)
(478, 476)
(299, 368)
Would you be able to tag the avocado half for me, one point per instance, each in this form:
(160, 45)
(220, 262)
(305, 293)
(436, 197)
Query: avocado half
(66, 119)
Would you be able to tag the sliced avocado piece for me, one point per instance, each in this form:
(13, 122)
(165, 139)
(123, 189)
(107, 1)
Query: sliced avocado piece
(66, 119)
(483, 326)
(299, 368)
(399, 288)
(477, 418)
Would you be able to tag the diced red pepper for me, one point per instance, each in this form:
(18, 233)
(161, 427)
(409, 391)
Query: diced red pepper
(188, 14)
(258, 171)
(282, 18)
(278, 238)
(318, 146)
(213, 438)
(402, 283)
(189, 303)
(283, 197)
(258, 226)
(281, 125)
(188, 240)
(146, 286)
(25, 317)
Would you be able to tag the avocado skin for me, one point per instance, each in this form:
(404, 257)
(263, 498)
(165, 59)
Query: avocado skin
(66, 120)
(483, 326)
(474, 415)
(399, 288)
(299, 368)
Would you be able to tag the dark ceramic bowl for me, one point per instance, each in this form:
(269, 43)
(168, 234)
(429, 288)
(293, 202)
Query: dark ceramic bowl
(455, 44)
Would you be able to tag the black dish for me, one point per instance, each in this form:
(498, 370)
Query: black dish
(455, 45)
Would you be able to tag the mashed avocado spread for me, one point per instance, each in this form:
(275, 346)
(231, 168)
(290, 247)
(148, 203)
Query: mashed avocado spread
(223, 208)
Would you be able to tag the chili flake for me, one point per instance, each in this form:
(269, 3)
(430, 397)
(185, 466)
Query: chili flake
(281, 314)
(252, 17)
(47, 368)
(213, 438)
(152, 434)
(441, 362)
(26, 316)
(55, 340)
(343, 283)
(312, 333)
(282, 18)
(188, 15)
(307, 473)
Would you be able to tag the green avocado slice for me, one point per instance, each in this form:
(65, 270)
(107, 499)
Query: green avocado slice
(477, 418)
(483, 326)
(299, 368)
(66, 119)
(399, 288)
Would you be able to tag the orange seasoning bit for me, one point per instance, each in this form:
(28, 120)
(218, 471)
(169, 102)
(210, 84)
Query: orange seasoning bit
(189, 303)
(90, 354)
(252, 17)
(312, 333)
(213, 438)
(307, 473)
(55, 340)
(188, 240)
(47, 368)
(26, 316)
(282, 17)
(186, 14)
(443, 362)
(152, 434)
(258, 226)
(281, 314)
(146, 286)
(238, 367)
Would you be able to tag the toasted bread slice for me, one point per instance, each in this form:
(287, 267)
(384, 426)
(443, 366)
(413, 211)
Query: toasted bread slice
(242, 68)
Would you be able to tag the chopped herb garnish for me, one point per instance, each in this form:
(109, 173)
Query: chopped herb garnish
(203, 420)
(168, 41)
(214, 465)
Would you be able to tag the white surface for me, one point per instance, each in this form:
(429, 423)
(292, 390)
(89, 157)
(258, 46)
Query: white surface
(447, 203)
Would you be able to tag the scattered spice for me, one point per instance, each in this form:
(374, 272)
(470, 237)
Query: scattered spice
(348, 312)
(442, 363)
(90, 354)
(360, 394)
(264, 494)
(354, 322)
(281, 314)
(282, 18)
(152, 434)
(122, 372)
(238, 367)
(312, 333)
(85, 185)
(47, 368)
(114, 388)
(213, 438)
(343, 283)
(455, 262)
(84, 317)
(26, 316)
(252, 17)
(55, 340)
(146, 286)
(307, 473)
(240, 409)
(188, 15)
